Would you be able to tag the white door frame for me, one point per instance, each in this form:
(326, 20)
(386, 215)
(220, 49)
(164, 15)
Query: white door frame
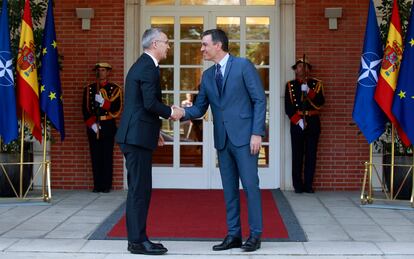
(271, 176)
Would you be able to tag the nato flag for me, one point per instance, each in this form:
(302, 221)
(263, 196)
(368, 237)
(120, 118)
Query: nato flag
(367, 114)
(50, 87)
(8, 116)
(403, 104)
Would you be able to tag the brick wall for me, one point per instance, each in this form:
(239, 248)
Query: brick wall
(335, 56)
(71, 166)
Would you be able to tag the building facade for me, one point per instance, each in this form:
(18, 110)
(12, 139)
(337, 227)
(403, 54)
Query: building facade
(271, 33)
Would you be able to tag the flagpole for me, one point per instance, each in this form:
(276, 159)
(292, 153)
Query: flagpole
(21, 155)
(412, 186)
(392, 160)
(370, 173)
(44, 158)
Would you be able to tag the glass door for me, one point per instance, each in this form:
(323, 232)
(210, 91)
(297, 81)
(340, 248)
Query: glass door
(183, 161)
(249, 36)
(188, 159)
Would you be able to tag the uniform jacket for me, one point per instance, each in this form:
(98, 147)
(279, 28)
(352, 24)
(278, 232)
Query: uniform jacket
(297, 104)
(105, 115)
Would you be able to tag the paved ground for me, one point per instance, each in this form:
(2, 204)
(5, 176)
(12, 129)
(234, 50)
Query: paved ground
(335, 224)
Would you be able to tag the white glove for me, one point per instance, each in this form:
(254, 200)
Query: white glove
(301, 124)
(94, 127)
(99, 99)
(304, 88)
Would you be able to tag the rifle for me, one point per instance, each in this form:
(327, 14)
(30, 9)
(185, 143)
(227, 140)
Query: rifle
(97, 105)
(304, 93)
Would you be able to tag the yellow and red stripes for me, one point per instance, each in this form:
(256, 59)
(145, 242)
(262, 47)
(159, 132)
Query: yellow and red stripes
(387, 81)
(27, 82)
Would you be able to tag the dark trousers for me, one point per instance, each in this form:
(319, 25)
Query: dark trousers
(102, 165)
(304, 147)
(139, 165)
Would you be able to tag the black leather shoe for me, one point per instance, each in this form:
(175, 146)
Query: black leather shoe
(251, 244)
(298, 191)
(106, 190)
(228, 243)
(146, 248)
(95, 190)
(157, 245)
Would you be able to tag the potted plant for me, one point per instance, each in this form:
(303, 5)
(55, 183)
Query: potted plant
(10, 176)
(402, 156)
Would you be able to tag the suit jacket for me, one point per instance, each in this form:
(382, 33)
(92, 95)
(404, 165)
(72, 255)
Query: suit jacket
(240, 110)
(140, 124)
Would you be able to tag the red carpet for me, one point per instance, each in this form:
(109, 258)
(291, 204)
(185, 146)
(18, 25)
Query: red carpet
(200, 214)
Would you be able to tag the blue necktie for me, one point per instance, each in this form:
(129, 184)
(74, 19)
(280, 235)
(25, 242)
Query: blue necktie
(219, 78)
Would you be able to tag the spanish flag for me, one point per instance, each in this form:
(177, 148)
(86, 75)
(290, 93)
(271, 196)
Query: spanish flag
(27, 84)
(387, 81)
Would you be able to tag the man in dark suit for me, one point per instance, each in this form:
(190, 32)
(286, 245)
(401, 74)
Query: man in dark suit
(234, 91)
(139, 134)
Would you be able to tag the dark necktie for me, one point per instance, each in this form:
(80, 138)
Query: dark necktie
(219, 78)
(158, 69)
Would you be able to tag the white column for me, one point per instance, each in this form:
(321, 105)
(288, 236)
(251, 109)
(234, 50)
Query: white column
(132, 33)
(131, 43)
(287, 58)
(38, 158)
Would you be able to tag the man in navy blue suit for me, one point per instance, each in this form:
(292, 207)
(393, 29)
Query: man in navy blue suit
(139, 134)
(234, 91)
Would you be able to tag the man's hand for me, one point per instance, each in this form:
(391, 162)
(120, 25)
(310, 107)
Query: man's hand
(99, 99)
(301, 124)
(94, 127)
(177, 113)
(161, 140)
(255, 144)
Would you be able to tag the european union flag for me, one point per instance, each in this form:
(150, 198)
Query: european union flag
(8, 116)
(367, 114)
(403, 104)
(50, 88)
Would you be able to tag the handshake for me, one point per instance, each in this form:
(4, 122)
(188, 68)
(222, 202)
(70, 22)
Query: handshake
(177, 113)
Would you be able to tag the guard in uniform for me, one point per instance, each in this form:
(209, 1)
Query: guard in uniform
(303, 101)
(101, 105)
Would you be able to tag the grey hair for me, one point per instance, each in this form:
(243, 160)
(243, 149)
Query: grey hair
(149, 36)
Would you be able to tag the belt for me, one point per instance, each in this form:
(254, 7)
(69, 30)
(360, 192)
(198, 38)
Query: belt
(309, 113)
(106, 117)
